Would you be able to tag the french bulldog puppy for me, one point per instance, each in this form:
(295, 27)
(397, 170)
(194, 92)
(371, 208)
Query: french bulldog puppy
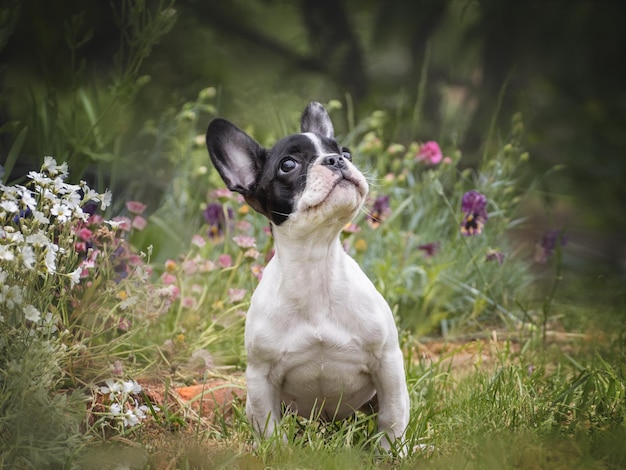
(319, 337)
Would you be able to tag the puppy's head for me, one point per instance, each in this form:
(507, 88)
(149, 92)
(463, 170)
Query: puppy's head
(304, 180)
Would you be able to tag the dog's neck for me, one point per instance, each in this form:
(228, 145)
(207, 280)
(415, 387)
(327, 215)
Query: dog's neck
(310, 263)
(305, 251)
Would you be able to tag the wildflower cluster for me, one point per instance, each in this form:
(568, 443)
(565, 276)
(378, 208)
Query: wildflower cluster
(38, 238)
(217, 275)
(120, 401)
(443, 250)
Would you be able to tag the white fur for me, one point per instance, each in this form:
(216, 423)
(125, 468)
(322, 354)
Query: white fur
(318, 334)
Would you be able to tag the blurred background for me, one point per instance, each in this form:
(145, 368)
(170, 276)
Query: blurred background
(124, 90)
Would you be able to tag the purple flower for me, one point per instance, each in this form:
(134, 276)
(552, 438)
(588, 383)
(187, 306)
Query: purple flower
(493, 255)
(214, 217)
(429, 249)
(380, 210)
(551, 239)
(473, 206)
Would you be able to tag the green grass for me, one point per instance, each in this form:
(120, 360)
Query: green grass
(512, 405)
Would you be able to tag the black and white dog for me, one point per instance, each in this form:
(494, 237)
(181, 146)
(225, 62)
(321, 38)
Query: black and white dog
(319, 337)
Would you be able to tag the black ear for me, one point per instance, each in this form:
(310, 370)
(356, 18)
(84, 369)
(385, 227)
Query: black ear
(316, 119)
(237, 157)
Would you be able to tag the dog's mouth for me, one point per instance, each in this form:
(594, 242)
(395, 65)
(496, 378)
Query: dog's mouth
(346, 181)
(343, 181)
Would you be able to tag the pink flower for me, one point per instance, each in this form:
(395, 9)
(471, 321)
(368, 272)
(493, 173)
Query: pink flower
(134, 259)
(168, 278)
(225, 261)
(236, 295)
(252, 254)
(429, 153)
(243, 241)
(198, 241)
(139, 223)
(95, 219)
(257, 271)
(351, 228)
(190, 266)
(124, 324)
(135, 207)
(187, 302)
(84, 234)
(221, 193)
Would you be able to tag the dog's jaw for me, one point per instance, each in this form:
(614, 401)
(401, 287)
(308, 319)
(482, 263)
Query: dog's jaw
(329, 199)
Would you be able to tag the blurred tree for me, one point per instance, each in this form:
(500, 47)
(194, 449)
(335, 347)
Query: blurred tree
(561, 62)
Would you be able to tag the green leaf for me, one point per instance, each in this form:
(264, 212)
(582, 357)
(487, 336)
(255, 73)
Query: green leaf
(16, 148)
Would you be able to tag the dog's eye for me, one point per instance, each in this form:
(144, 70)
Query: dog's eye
(345, 153)
(288, 164)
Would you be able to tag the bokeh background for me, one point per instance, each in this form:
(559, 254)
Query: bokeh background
(454, 71)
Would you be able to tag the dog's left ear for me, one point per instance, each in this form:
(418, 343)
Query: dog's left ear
(316, 119)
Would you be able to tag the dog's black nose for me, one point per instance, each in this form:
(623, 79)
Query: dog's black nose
(336, 161)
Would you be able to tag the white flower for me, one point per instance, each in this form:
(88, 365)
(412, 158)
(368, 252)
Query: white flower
(27, 198)
(50, 260)
(6, 253)
(51, 166)
(75, 276)
(130, 386)
(115, 409)
(38, 178)
(128, 302)
(9, 206)
(11, 296)
(114, 223)
(113, 388)
(90, 194)
(105, 199)
(40, 217)
(49, 195)
(32, 314)
(28, 257)
(38, 239)
(61, 211)
(48, 321)
(73, 199)
(14, 237)
(130, 419)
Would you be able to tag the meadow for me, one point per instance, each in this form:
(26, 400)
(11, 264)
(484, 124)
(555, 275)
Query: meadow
(99, 339)
(122, 312)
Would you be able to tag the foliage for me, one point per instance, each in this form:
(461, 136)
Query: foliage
(437, 275)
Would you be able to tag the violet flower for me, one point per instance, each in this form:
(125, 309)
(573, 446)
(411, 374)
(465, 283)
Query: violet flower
(473, 206)
(214, 217)
(429, 249)
(549, 242)
(380, 210)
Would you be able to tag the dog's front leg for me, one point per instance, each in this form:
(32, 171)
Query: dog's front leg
(393, 398)
(263, 400)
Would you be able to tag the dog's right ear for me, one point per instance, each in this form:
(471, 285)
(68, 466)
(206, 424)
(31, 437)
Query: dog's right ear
(237, 157)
